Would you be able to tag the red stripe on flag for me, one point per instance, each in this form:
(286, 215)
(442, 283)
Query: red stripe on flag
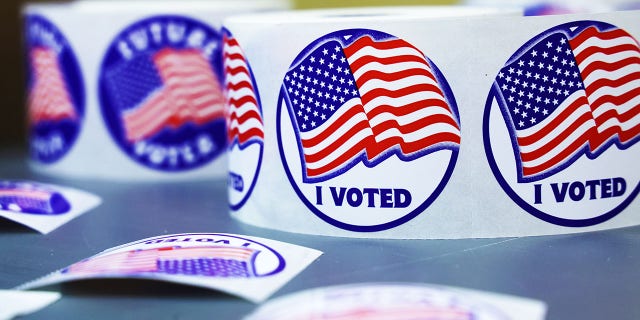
(610, 66)
(543, 148)
(244, 121)
(399, 105)
(342, 138)
(48, 99)
(196, 92)
(190, 93)
(40, 195)
(390, 69)
(146, 260)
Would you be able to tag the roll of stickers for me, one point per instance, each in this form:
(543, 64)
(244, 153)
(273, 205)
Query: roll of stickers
(444, 123)
(128, 90)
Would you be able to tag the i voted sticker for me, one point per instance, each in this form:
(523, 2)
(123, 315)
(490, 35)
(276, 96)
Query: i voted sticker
(31, 198)
(55, 88)
(161, 93)
(368, 129)
(245, 127)
(43, 207)
(562, 123)
(249, 267)
(374, 301)
(209, 255)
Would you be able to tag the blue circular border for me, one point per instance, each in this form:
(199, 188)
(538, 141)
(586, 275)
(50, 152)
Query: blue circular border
(216, 130)
(240, 204)
(434, 195)
(73, 79)
(282, 263)
(502, 181)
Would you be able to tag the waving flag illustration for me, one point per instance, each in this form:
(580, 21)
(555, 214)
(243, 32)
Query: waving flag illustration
(212, 261)
(166, 89)
(48, 99)
(244, 120)
(27, 199)
(364, 102)
(570, 96)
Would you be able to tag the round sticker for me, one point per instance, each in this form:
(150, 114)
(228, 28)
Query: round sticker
(245, 127)
(368, 129)
(32, 198)
(209, 255)
(56, 96)
(161, 94)
(379, 301)
(562, 121)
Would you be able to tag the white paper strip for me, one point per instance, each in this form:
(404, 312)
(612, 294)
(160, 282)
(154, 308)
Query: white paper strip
(417, 124)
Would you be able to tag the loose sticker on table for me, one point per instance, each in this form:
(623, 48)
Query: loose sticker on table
(161, 95)
(249, 267)
(562, 123)
(398, 301)
(43, 207)
(360, 116)
(55, 91)
(245, 127)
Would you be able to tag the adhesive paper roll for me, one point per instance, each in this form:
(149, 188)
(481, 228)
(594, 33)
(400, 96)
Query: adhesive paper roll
(434, 124)
(128, 90)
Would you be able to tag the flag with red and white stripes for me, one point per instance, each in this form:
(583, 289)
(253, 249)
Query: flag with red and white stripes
(244, 118)
(166, 89)
(215, 261)
(571, 96)
(48, 99)
(26, 198)
(364, 102)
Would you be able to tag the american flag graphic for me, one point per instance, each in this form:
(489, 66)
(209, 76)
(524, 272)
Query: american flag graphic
(212, 261)
(365, 101)
(166, 89)
(30, 200)
(569, 96)
(244, 119)
(48, 98)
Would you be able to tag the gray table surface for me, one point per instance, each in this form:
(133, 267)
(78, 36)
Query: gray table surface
(581, 276)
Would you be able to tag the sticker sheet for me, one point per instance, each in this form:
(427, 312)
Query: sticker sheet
(405, 126)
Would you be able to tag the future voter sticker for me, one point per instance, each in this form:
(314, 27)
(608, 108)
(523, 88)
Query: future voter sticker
(161, 95)
(55, 91)
(368, 129)
(562, 122)
(245, 127)
(31, 198)
(208, 255)
(378, 301)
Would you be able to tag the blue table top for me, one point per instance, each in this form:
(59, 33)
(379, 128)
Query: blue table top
(581, 276)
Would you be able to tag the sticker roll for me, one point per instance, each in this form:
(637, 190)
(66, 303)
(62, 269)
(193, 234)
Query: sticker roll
(436, 124)
(128, 90)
